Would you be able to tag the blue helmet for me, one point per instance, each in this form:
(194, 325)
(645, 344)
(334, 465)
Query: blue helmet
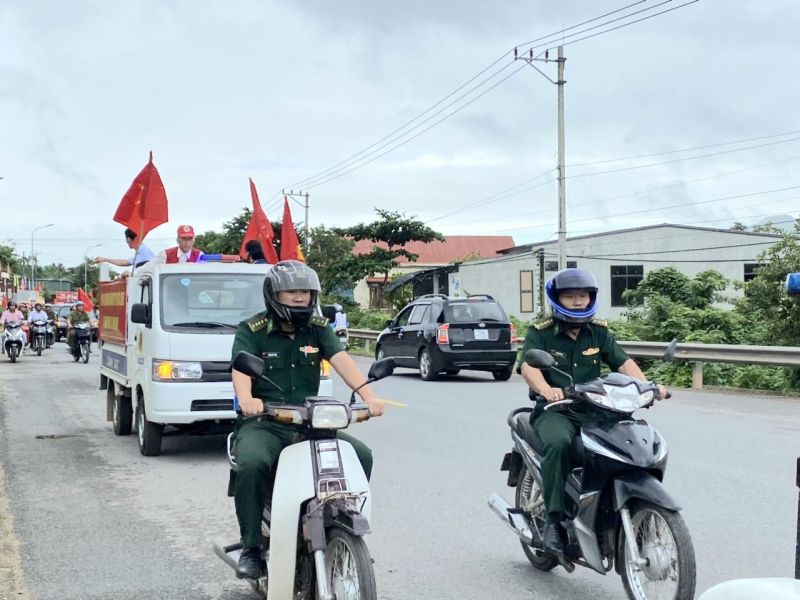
(572, 279)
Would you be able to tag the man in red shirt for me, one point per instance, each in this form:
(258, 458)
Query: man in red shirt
(184, 251)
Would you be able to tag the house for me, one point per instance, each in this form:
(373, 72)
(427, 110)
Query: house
(433, 269)
(619, 260)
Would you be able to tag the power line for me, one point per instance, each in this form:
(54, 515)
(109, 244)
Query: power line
(626, 158)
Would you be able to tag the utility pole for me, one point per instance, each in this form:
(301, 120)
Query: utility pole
(562, 194)
(304, 204)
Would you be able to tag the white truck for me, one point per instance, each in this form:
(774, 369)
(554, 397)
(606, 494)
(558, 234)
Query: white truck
(165, 344)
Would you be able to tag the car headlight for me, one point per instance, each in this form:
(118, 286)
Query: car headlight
(329, 416)
(168, 370)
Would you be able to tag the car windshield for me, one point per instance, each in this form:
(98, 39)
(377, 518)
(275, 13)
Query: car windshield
(466, 312)
(210, 301)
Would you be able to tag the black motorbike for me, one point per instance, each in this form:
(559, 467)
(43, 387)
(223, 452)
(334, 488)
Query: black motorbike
(619, 514)
(82, 342)
(38, 333)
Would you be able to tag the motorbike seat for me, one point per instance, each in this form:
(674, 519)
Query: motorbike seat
(527, 432)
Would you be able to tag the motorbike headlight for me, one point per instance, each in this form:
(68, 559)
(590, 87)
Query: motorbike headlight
(168, 370)
(600, 399)
(329, 416)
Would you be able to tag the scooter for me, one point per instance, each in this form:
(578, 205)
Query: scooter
(12, 340)
(38, 332)
(50, 330)
(320, 507)
(83, 339)
(619, 513)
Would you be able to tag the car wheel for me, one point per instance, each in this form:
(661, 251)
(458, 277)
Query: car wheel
(503, 374)
(426, 370)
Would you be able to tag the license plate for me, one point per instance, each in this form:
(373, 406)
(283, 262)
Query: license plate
(481, 334)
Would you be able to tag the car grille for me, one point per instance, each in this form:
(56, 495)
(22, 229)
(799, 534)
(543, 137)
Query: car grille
(215, 371)
(210, 405)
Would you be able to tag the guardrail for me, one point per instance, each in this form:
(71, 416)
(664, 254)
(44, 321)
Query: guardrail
(698, 354)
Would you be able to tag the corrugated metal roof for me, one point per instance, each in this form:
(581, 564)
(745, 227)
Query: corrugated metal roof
(453, 249)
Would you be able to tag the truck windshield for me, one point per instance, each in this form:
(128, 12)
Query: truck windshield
(214, 302)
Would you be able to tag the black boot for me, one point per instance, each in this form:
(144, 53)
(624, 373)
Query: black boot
(250, 564)
(553, 541)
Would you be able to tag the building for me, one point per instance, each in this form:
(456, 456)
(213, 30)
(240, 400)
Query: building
(433, 270)
(619, 260)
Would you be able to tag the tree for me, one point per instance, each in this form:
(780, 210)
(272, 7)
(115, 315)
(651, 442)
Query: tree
(394, 230)
(331, 255)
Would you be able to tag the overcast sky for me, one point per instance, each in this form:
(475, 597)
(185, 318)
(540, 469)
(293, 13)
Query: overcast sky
(280, 91)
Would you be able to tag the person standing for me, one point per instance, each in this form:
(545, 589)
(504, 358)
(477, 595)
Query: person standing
(254, 253)
(182, 253)
(142, 254)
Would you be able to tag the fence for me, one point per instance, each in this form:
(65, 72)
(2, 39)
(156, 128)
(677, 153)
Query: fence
(698, 354)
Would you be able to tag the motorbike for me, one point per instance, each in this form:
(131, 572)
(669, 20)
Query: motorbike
(38, 333)
(12, 340)
(619, 513)
(83, 340)
(50, 331)
(344, 338)
(319, 511)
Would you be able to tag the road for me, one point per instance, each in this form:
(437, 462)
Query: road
(93, 519)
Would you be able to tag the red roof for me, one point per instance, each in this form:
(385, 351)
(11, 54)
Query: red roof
(454, 248)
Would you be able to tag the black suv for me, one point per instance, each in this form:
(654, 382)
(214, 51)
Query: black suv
(436, 333)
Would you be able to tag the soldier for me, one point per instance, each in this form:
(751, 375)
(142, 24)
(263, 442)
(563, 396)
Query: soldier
(580, 344)
(292, 341)
(76, 315)
(48, 309)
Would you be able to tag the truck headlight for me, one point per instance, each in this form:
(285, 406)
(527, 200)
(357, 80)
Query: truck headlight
(329, 416)
(168, 370)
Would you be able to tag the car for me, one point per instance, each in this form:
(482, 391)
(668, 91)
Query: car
(442, 334)
(62, 312)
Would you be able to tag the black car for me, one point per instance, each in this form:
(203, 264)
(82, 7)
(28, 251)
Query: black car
(437, 333)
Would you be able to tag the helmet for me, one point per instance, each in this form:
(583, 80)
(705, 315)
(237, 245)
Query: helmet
(291, 275)
(12, 303)
(79, 303)
(572, 279)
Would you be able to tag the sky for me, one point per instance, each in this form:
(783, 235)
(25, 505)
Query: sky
(699, 102)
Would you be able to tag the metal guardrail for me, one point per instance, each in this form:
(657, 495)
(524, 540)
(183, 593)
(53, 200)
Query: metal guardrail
(697, 353)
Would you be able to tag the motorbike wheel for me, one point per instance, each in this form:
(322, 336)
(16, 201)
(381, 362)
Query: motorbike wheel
(12, 353)
(38, 344)
(350, 572)
(85, 352)
(663, 539)
(529, 498)
(426, 370)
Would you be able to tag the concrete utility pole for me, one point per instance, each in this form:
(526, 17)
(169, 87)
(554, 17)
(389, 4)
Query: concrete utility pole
(304, 204)
(562, 195)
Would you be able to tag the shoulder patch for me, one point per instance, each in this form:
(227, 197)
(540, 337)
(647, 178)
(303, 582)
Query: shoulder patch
(600, 322)
(257, 323)
(318, 320)
(544, 324)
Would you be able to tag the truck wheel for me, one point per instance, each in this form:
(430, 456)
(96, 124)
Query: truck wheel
(149, 433)
(122, 415)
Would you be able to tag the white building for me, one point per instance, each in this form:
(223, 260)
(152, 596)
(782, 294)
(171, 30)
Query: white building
(618, 259)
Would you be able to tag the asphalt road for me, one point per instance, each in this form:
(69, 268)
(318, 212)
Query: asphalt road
(93, 519)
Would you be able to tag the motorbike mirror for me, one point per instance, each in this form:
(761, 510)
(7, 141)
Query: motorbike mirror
(249, 364)
(380, 369)
(672, 347)
(539, 359)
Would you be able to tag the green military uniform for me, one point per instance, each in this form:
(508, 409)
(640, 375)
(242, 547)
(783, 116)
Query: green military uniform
(293, 363)
(50, 314)
(583, 359)
(75, 317)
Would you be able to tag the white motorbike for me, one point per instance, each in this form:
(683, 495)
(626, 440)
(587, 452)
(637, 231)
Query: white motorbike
(320, 505)
(12, 340)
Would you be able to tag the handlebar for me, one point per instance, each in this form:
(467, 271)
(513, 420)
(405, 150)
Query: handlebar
(559, 403)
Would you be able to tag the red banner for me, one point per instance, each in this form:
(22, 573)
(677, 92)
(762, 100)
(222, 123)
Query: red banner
(113, 318)
(65, 297)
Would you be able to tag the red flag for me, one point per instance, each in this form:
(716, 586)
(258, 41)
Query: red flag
(5, 300)
(259, 228)
(290, 244)
(88, 305)
(144, 205)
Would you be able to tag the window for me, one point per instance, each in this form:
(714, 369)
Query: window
(526, 291)
(624, 277)
(403, 317)
(751, 270)
(210, 301)
(473, 312)
(419, 314)
(552, 265)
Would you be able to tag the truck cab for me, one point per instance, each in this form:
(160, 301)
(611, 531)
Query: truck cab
(165, 341)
